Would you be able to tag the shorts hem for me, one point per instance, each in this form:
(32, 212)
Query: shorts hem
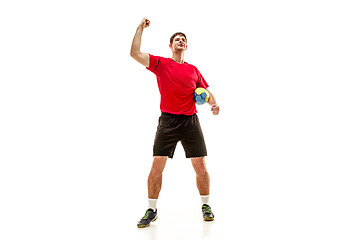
(196, 155)
(163, 155)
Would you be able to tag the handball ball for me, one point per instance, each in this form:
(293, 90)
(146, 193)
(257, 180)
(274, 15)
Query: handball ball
(201, 96)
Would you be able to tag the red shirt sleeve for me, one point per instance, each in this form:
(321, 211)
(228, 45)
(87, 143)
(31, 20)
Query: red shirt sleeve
(202, 82)
(154, 63)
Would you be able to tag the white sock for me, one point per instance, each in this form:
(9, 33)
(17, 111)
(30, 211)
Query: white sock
(205, 199)
(152, 204)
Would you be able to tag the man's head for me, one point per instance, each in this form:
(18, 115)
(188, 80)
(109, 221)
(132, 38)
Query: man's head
(178, 41)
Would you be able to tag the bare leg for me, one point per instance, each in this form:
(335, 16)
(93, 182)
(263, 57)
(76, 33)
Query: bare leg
(155, 176)
(202, 175)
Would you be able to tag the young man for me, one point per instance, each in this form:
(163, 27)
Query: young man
(177, 81)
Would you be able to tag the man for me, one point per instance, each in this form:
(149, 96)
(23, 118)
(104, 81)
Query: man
(177, 81)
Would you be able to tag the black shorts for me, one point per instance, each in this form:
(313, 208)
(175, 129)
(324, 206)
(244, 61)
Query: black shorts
(173, 128)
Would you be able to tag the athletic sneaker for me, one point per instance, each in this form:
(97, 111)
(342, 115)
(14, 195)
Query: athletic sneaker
(150, 216)
(207, 213)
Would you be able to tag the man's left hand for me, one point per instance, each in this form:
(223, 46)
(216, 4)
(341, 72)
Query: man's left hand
(215, 109)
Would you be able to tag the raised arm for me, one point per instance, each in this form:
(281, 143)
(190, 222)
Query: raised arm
(135, 53)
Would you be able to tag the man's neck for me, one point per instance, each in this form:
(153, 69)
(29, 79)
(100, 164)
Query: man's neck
(178, 57)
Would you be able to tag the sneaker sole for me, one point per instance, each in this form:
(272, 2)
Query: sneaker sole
(144, 226)
(208, 219)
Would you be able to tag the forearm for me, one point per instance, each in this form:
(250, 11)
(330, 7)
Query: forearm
(212, 102)
(136, 43)
(212, 99)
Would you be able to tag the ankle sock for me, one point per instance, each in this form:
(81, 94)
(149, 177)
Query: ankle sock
(152, 204)
(205, 199)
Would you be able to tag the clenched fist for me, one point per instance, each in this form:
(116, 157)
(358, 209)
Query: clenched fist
(145, 23)
(215, 109)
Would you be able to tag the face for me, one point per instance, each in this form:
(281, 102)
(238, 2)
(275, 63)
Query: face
(179, 43)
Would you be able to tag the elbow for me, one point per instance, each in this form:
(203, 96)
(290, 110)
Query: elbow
(132, 54)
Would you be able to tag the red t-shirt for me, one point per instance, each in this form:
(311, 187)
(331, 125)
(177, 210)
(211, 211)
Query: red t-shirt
(177, 83)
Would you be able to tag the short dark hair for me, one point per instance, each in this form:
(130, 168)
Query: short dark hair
(175, 34)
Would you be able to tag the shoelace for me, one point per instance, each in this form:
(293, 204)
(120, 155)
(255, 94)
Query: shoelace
(146, 214)
(207, 209)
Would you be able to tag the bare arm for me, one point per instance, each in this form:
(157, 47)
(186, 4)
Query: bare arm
(135, 52)
(212, 102)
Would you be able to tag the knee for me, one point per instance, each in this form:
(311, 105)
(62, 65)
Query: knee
(200, 166)
(201, 171)
(157, 166)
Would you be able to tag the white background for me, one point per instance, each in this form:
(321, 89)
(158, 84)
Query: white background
(78, 118)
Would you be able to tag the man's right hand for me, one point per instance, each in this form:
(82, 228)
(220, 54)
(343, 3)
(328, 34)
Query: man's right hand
(145, 23)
